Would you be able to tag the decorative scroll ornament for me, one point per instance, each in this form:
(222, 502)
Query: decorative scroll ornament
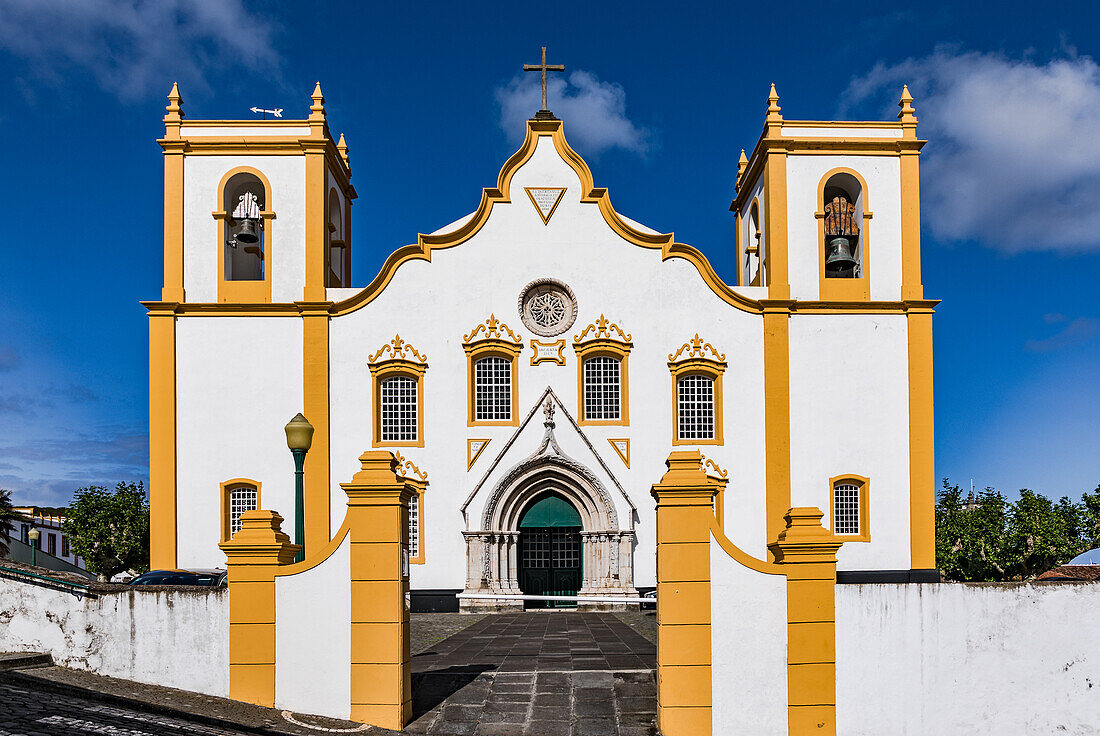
(404, 464)
(697, 348)
(708, 462)
(492, 329)
(602, 328)
(398, 349)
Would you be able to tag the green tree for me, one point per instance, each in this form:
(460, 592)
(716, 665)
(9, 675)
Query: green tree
(110, 530)
(971, 542)
(7, 520)
(1090, 512)
(1041, 536)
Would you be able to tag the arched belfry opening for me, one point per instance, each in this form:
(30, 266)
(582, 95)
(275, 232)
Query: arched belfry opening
(549, 527)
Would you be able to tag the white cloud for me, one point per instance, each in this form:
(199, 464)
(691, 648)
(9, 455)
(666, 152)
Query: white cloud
(1075, 332)
(1012, 160)
(135, 47)
(594, 112)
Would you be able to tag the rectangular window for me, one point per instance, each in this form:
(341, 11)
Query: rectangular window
(51, 544)
(493, 389)
(695, 407)
(64, 546)
(24, 534)
(536, 548)
(601, 388)
(398, 409)
(241, 499)
(566, 548)
(846, 509)
(414, 525)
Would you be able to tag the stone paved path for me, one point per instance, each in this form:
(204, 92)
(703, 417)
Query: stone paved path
(551, 674)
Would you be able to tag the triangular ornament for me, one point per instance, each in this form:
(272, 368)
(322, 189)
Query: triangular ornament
(622, 449)
(546, 200)
(474, 448)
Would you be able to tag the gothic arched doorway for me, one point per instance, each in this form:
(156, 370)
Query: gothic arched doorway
(550, 549)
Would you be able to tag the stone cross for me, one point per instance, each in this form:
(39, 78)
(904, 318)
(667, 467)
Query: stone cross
(544, 67)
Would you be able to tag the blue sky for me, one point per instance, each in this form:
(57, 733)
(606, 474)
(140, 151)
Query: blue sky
(660, 98)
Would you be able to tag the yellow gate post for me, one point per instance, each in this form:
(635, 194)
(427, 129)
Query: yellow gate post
(253, 555)
(807, 552)
(378, 517)
(685, 513)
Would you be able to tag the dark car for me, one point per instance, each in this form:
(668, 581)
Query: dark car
(210, 578)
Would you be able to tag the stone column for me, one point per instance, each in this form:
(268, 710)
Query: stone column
(378, 517)
(586, 563)
(253, 556)
(513, 562)
(685, 498)
(807, 552)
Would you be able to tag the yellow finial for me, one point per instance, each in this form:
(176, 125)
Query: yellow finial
(317, 109)
(175, 103)
(773, 106)
(342, 148)
(742, 164)
(906, 116)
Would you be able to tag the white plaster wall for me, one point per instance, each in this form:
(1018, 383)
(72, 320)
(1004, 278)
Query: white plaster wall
(748, 625)
(315, 637)
(238, 382)
(883, 197)
(850, 414)
(662, 304)
(286, 239)
(237, 131)
(176, 639)
(795, 131)
(954, 659)
(757, 196)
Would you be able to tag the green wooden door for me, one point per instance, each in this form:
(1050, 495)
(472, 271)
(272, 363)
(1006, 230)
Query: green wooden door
(550, 550)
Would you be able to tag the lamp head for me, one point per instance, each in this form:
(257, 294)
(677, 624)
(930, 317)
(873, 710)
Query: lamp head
(34, 534)
(299, 433)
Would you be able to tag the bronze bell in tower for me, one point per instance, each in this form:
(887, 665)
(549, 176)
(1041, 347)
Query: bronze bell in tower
(248, 233)
(840, 256)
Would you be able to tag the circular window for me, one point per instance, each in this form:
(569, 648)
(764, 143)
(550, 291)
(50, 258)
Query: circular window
(547, 307)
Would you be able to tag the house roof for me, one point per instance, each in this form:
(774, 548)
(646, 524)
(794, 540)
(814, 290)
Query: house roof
(1071, 573)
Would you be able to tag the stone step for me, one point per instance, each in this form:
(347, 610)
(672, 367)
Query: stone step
(23, 660)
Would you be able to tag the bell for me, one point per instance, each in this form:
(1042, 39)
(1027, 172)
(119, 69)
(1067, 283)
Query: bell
(247, 234)
(840, 256)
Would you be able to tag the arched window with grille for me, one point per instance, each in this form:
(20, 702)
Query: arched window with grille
(492, 389)
(399, 409)
(848, 504)
(398, 371)
(697, 369)
(603, 355)
(492, 365)
(238, 495)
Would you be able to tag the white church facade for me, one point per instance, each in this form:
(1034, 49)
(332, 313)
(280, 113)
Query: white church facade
(535, 362)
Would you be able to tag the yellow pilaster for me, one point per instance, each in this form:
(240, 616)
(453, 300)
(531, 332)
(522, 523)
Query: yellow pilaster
(775, 203)
(315, 400)
(314, 148)
(253, 556)
(777, 416)
(922, 466)
(378, 516)
(162, 435)
(807, 552)
(685, 513)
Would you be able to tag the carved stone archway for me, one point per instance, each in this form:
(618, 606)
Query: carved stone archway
(607, 567)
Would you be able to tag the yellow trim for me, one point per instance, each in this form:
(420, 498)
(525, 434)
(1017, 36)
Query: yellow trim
(496, 340)
(404, 360)
(419, 486)
(559, 359)
(545, 218)
(720, 497)
(864, 485)
(471, 456)
(173, 290)
(624, 456)
(844, 289)
(911, 287)
(228, 486)
(697, 362)
(777, 420)
(316, 225)
(244, 292)
(603, 342)
(162, 435)
(922, 465)
(315, 403)
(775, 230)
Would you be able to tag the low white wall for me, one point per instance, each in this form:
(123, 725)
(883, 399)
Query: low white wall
(954, 659)
(177, 639)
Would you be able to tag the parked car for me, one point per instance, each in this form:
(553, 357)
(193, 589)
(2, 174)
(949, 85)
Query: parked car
(651, 600)
(211, 578)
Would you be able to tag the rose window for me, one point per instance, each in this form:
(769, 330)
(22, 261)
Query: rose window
(547, 307)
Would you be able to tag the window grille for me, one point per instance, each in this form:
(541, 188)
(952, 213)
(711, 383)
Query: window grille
(566, 548)
(845, 508)
(602, 388)
(695, 407)
(414, 525)
(398, 410)
(241, 499)
(536, 548)
(493, 389)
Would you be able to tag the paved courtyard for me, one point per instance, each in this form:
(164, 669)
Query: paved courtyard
(552, 674)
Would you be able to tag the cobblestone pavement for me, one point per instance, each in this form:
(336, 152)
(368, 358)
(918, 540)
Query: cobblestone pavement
(427, 629)
(550, 674)
(644, 622)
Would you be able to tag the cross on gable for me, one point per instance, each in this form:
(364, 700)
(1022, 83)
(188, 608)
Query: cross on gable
(544, 67)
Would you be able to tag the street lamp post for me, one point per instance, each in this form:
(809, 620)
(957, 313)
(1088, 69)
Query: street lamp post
(299, 436)
(33, 535)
